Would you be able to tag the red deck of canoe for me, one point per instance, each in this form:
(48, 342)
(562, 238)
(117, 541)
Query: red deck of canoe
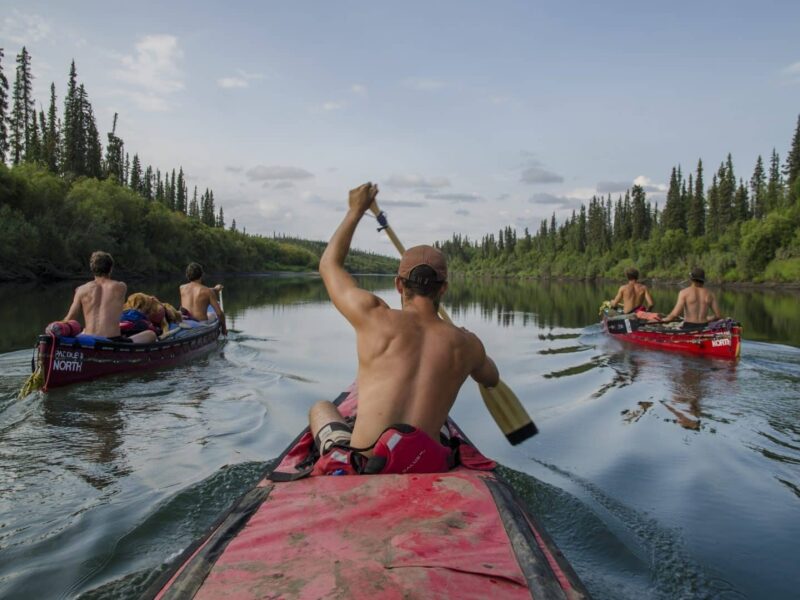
(460, 534)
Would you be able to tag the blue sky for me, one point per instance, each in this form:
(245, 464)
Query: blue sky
(469, 115)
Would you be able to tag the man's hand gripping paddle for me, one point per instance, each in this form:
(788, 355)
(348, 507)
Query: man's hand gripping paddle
(503, 405)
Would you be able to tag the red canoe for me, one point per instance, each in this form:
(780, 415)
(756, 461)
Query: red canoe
(721, 339)
(460, 534)
(84, 358)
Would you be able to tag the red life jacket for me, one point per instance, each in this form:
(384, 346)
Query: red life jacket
(399, 449)
(64, 328)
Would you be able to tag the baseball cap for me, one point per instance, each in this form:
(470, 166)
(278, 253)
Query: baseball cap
(697, 274)
(423, 255)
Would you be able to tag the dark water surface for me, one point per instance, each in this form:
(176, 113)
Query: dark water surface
(659, 475)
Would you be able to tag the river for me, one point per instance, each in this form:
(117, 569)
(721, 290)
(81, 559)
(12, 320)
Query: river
(659, 475)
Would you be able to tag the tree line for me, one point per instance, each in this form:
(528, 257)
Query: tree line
(63, 195)
(740, 230)
(70, 145)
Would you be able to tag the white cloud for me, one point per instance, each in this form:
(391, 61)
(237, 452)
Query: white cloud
(417, 181)
(423, 84)
(242, 79)
(358, 88)
(329, 106)
(276, 173)
(649, 185)
(791, 74)
(232, 82)
(154, 69)
(23, 28)
(536, 173)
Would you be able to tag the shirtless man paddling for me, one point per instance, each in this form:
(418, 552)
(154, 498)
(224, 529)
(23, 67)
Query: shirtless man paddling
(411, 364)
(196, 297)
(101, 301)
(694, 302)
(633, 295)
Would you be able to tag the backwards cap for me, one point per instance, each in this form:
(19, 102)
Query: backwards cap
(698, 274)
(423, 255)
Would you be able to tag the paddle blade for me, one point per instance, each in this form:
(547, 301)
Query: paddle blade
(508, 413)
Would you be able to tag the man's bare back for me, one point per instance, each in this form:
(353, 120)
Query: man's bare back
(411, 365)
(694, 303)
(632, 295)
(197, 297)
(101, 301)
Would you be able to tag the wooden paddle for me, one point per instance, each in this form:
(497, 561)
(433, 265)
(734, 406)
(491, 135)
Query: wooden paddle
(503, 405)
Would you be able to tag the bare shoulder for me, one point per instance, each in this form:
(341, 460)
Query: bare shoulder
(470, 340)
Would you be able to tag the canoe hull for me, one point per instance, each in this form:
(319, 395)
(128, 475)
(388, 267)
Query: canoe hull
(460, 534)
(66, 362)
(723, 342)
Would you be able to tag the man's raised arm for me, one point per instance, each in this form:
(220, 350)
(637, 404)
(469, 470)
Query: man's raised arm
(348, 298)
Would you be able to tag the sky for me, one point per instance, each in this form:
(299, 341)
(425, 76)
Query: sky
(470, 116)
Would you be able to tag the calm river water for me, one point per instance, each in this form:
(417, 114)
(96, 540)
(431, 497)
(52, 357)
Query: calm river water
(658, 475)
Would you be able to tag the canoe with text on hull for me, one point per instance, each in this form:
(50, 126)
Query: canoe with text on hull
(66, 360)
(460, 534)
(721, 339)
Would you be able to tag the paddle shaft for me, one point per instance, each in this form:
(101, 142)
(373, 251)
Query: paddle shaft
(503, 405)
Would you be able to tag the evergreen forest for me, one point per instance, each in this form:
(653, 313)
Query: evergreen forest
(739, 230)
(64, 195)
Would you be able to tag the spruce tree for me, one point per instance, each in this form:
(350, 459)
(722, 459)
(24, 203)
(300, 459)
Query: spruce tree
(194, 207)
(696, 225)
(51, 137)
(180, 201)
(673, 213)
(741, 206)
(33, 151)
(147, 190)
(712, 226)
(774, 183)
(136, 174)
(114, 153)
(527, 235)
(172, 196)
(639, 227)
(792, 166)
(72, 127)
(3, 112)
(221, 219)
(758, 190)
(23, 112)
(93, 150)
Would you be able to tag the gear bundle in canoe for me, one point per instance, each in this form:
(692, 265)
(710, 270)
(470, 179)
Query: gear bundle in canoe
(459, 534)
(720, 339)
(61, 361)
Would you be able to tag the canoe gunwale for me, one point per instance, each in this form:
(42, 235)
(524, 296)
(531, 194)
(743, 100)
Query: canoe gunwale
(101, 358)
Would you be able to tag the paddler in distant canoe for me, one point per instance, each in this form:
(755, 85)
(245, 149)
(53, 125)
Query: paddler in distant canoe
(196, 298)
(101, 302)
(634, 296)
(411, 363)
(694, 303)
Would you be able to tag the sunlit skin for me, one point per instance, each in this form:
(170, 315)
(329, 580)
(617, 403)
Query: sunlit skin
(631, 295)
(196, 298)
(411, 364)
(694, 304)
(101, 302)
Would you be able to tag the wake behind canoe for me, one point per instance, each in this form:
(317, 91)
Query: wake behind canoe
(459, 534)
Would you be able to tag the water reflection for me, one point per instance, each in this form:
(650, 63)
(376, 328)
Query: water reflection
(766, 314)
